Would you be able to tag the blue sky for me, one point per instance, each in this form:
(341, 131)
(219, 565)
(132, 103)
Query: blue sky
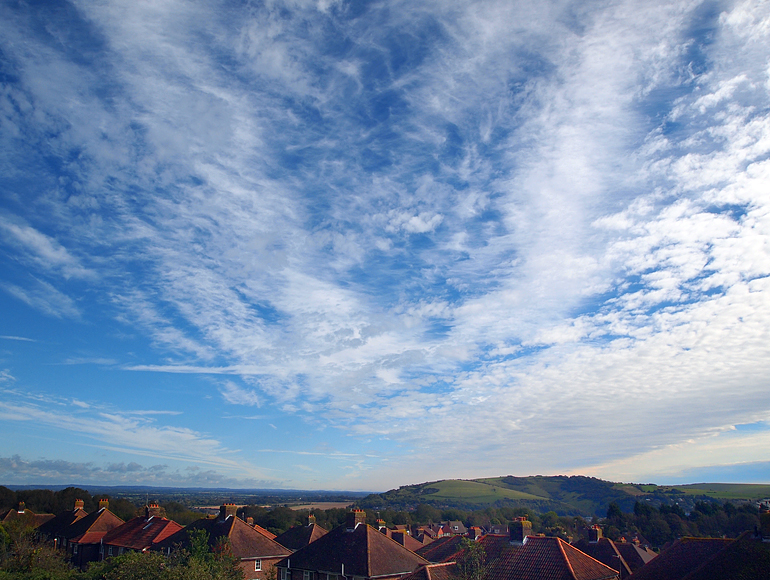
(356, 245)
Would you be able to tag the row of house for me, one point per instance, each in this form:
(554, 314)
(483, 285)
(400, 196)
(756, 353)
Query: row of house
(358, 551)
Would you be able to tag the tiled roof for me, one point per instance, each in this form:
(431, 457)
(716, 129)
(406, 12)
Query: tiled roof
(245, 541)
(605, 550)
(684, 556)
(441, 549)
(747, 558)
(34, 520)
(363, 551)
(300, 536)
(542, 558)
(92, 528)
(494, 546)
(449, 548)
(635, 556)
(444, 571)
(57, 525)
(141, 533)
(403, 538)
(263, 531)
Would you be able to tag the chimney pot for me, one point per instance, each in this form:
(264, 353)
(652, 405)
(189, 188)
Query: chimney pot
(519, 529)
(355, 517)
(594, 534)
(153, 510)
(104, 503)
(227, 510)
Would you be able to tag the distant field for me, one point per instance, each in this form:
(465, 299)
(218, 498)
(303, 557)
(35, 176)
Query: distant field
(475, 492)
(747, 491)
(321, 505)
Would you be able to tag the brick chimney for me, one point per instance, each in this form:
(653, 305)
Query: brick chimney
(355, 517)
(519, 529)
(594, 534)
(227, 510)
(310, 519)
(79, 504)
(153, 510)
(104, 504)
(250, 521)
(399, 536)
(22, 507)
(474, 533)
(381, 526)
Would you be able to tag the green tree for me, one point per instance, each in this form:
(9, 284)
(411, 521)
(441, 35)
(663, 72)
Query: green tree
(470, 563)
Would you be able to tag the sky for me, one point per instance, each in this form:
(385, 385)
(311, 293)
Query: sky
(358, 245)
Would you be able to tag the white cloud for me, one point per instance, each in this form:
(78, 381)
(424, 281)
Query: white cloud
(428, 210)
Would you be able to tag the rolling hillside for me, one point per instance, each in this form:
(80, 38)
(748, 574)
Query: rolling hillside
(566, 495)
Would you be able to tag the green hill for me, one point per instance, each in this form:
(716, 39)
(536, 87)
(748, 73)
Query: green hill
(566, 495)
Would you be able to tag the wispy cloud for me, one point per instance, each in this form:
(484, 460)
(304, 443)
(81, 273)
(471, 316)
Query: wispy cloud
(18, 470)
(389, 219)
(128, 431)
(43, 296)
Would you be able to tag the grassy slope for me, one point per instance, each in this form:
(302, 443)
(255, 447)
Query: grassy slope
(583, 495)
(479, 491)
(727, 491)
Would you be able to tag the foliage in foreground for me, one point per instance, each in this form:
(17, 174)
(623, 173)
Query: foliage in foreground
(24, 558)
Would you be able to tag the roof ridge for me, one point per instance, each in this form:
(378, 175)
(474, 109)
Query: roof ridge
(566, 558)
(368, 551)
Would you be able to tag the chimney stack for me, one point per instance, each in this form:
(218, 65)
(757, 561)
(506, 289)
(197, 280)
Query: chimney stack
(594, 534)
(22, 507)
(227, 510)
(153, 510)
(355, 517)
(310, 519)
(250, 521)
(399, 536)
(381, 526)
(474, 533)
(79, 504)
(104, 504)
(519, 529)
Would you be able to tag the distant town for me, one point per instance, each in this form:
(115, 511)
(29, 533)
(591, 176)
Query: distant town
(487, 529)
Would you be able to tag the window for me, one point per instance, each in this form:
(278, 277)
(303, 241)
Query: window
(74, 548)
(307, 575)
(109, 551)
(257, 565)
(284, 574)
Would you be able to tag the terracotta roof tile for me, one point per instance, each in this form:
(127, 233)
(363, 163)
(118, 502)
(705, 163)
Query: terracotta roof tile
(635, 556)
(441, 549)
(245, 541)
(263, 531)
(542, 558)
(57, 525)
(443, 571)
(363, 551)
(606, 551)
(747, 558)
(34, 520)
(141, 533)
(300, 536)
(92, 528)
(684, 556)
